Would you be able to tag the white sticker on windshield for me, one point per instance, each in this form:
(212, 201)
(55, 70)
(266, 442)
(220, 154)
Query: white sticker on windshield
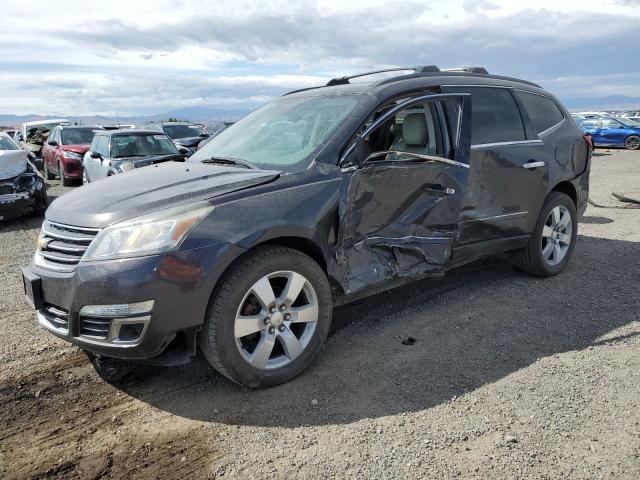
(159, 137)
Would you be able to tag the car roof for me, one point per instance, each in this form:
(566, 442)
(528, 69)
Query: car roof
(129, 131)
(71, 127)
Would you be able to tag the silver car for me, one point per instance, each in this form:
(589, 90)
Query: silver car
(117, 151)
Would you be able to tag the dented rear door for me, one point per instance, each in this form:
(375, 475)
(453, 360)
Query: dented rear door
(399, 214)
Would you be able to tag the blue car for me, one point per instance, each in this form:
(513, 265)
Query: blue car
(613, 132)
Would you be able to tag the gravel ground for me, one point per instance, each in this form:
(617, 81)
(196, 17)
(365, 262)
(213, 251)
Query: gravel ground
(510, 377)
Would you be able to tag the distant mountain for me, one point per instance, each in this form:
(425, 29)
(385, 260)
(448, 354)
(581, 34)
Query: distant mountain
(205, 114)
(194, 114)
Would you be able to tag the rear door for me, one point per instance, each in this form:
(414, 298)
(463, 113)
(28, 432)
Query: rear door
(403, 185)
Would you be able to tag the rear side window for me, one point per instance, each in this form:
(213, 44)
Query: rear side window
(495, 116)
(543, 112)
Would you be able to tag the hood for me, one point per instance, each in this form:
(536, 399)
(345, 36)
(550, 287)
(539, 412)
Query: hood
(75, 148)
(139, 161)
(135, 193)
(12, 163)
(188, 141)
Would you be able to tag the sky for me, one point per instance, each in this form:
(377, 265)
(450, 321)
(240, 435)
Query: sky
(68, 57)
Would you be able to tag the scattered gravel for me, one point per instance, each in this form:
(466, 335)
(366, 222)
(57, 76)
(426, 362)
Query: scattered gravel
(508, 376)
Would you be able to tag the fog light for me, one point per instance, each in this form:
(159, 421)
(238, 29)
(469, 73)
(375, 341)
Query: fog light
(121, 310)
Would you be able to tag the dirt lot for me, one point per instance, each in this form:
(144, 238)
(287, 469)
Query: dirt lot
(510, 377)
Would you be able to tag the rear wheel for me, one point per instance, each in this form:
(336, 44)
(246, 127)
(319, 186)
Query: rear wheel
(269, 317)
(632, 142)
(553, 238)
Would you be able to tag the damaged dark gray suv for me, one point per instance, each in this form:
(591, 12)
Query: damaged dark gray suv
(323, 196)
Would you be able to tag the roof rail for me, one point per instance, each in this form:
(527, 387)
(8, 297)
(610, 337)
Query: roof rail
(480, 70)
(345, 80)
(418, 69)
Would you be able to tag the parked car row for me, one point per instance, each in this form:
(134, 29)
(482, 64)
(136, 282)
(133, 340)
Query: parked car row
(607, 130)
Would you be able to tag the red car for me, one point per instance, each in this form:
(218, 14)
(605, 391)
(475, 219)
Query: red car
(63, 152)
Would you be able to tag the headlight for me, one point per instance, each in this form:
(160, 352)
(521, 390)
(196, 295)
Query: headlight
(155, 233)
(126, 166)
(73, 155)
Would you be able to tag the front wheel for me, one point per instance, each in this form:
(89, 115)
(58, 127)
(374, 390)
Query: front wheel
(632, 142)
(551, 244)
(47, 173)
(268, 318)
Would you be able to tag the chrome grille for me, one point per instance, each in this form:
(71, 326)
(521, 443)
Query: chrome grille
(62, 246)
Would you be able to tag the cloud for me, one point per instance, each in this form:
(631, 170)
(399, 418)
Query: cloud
(474, 6)
(189, 53)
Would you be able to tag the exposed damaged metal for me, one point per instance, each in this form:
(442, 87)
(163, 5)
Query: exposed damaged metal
(22, 188)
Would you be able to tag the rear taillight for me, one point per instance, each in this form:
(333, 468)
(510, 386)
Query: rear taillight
(588, 140)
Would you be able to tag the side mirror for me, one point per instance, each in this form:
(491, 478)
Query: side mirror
(184, 151)
(204, 135)
(53, 143)
(95, 155)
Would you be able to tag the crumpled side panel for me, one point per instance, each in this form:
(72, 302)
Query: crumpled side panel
(396, 220)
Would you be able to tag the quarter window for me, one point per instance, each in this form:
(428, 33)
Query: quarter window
(495, 116)
(543, 112)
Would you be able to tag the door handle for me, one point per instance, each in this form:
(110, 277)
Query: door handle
(531, 164)
(440, 190)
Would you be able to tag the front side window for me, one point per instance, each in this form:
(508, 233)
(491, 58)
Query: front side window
(284, 134)
(611, 123)
(102, 145)
(77, 136)
(415, 130)
(495, 117)
(543, 112)
(141, 145)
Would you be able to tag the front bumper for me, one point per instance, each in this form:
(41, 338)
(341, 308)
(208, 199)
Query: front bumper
(15, 205)
(178, 283)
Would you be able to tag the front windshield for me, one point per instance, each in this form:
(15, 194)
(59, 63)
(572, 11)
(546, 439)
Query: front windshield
(7, 144)
(77, 136)
(182, 131)
(141, 145)
(281, 134)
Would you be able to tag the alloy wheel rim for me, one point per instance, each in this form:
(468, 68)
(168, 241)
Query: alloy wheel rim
(276, 320)
(556, 235)
(633, 143)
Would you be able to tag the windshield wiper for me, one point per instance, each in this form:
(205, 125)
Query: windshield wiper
(229, 161)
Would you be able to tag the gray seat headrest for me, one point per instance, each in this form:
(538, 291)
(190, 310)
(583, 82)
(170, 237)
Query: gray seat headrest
(414, 129)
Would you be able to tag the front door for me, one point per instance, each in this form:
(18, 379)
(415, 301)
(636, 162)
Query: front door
(404, 181)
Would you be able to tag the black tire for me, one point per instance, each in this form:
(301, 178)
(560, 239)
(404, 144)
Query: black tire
(66, 182)
(530, 259)
(632, 142)
(217, 340)
(48, 175)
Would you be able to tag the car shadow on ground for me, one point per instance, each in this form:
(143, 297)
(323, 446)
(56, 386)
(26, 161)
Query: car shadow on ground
(477, 325)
